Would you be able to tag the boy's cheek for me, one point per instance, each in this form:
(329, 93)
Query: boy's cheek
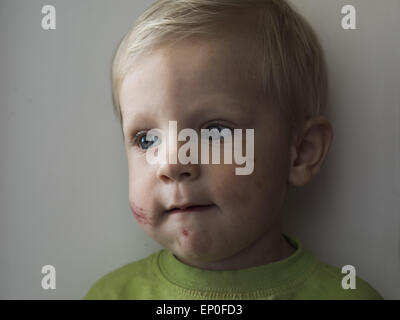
(141, 215)
(236, 191)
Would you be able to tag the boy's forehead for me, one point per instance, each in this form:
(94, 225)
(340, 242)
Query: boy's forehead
(191, 70)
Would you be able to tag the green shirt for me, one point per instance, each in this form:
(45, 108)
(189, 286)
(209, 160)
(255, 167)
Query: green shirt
(162, 276)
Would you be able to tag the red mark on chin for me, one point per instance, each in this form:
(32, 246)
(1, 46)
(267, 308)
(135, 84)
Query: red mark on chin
(185, 232)
(140, 215)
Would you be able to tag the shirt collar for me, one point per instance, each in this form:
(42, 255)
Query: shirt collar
(262, 277)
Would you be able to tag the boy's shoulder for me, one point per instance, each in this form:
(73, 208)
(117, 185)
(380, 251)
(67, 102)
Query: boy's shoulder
(112, 285)
(326, 283)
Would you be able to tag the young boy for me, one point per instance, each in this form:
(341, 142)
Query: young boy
(233, 64)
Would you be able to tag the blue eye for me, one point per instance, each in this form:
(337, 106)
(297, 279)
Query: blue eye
(215, 132)
(145, 140)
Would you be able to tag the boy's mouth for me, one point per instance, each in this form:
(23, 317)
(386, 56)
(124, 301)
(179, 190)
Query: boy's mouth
(189, 208)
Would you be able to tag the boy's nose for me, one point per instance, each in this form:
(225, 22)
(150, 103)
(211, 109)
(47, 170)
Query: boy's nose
(175, 170)
(178, 172)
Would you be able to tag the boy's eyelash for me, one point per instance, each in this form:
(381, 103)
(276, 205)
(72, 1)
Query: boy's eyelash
(133, 139)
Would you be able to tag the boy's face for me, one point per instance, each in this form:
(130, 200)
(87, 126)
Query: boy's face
(199, 83)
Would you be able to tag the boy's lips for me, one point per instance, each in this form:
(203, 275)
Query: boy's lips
(189, 208)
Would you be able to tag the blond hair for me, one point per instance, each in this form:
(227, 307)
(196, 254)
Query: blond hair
(291, 61)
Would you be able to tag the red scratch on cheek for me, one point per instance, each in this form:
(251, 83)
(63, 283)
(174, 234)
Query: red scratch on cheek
(140, 215)
(185, 232)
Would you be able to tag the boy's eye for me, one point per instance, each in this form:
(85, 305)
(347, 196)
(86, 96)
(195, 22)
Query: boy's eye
(215, 133)
(145, 140)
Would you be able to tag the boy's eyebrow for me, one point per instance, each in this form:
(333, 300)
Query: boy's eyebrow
(138, 119)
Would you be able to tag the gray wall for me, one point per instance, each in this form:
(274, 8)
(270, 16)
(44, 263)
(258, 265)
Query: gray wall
(63, 172)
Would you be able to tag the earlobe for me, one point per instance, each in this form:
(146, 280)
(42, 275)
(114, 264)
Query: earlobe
(309, 150)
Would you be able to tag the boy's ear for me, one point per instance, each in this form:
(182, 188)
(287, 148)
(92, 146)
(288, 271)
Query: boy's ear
(309, 148)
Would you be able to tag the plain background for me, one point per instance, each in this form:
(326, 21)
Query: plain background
(63, 171)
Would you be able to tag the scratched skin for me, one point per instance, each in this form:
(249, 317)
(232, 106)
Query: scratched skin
(140, 215)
